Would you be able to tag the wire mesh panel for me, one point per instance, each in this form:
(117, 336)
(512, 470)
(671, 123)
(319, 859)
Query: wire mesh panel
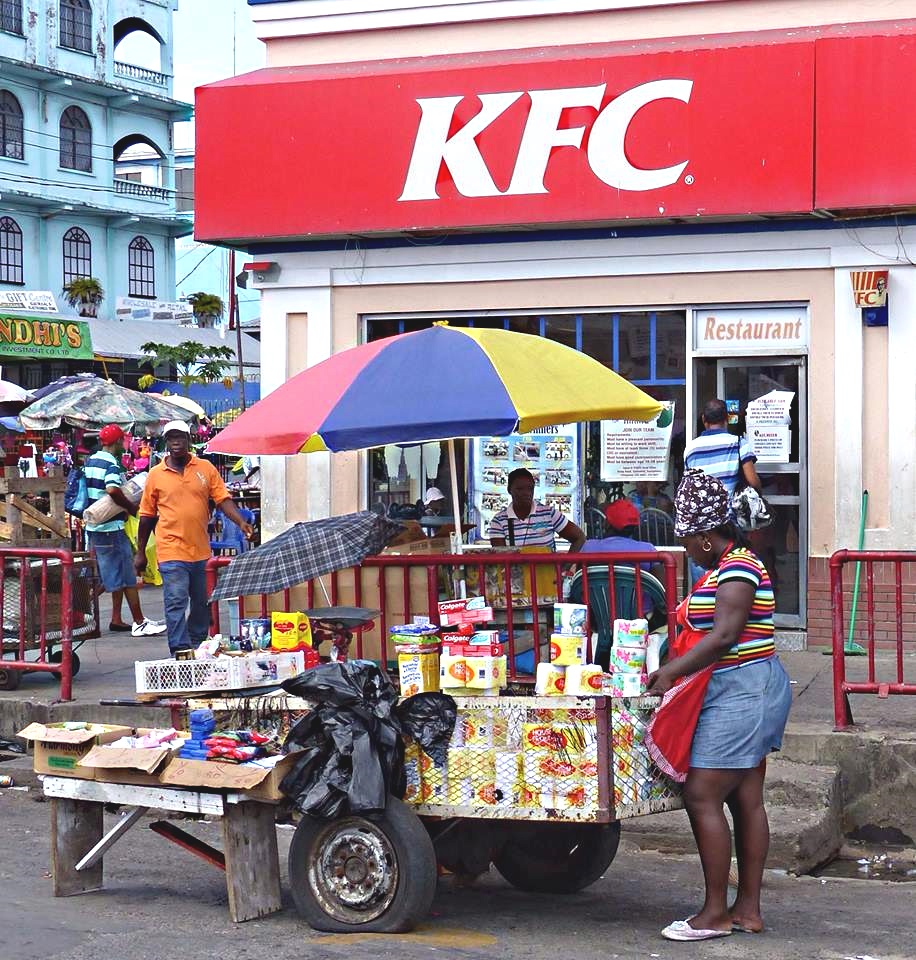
(540, 758)
(223, 673)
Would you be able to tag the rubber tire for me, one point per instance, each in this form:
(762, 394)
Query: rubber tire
(10, 679)
(57, 656)
(557, 857)
(417, 872)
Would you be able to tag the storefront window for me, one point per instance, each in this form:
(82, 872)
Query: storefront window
(646, 347)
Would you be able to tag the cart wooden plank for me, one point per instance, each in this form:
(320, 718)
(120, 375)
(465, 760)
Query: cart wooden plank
(252, 860)
(76, 829)
(161, 798)
(42, 520)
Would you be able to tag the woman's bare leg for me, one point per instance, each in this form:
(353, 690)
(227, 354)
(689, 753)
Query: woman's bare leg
(752, 841)
(705, 793)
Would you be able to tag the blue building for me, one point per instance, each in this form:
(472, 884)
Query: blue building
(70, 108)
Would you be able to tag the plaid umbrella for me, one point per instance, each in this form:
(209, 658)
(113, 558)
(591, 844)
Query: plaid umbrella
(92, 404)
(306, 551)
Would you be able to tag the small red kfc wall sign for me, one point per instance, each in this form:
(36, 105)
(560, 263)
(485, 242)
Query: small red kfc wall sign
(869, 287)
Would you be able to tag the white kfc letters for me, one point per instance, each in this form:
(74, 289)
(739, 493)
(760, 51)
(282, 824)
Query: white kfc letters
(606, 146)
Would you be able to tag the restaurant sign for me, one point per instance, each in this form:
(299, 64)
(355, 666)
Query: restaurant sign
(750, 330)
(44, 338)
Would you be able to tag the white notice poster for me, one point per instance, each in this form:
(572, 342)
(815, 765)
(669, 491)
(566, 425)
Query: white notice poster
(769, 428)
(635, 451)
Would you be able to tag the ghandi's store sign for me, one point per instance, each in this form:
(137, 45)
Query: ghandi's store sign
(40, 338)
(575, 135)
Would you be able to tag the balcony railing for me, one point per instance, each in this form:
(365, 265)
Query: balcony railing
(133, 189)
(131, 72)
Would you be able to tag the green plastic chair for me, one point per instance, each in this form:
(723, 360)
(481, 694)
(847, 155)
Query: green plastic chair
(599, 607)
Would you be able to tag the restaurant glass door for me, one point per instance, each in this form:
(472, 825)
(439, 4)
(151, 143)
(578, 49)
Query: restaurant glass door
(783, 546)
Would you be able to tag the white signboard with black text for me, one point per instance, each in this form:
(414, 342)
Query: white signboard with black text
(634, 451)
(769, 427)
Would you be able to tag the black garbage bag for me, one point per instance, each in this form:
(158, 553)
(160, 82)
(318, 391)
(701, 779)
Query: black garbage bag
(353, 756)
(429, 718)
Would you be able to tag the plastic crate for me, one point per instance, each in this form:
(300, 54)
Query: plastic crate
(223, 673)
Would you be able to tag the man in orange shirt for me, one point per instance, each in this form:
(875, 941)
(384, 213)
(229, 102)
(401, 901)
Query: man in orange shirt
(176, 504)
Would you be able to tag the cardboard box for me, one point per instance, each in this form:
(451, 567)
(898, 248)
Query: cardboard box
(57, 751)
(131, 765)
(453, 613)
(261, 783)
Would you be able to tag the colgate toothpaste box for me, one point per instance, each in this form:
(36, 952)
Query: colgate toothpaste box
(453, 613)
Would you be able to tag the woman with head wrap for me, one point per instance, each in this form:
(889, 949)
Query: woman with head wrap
(727, 638)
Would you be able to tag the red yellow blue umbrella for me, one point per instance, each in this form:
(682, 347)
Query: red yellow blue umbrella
(436, 384)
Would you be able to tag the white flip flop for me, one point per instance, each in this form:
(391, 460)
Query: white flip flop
(681, 930)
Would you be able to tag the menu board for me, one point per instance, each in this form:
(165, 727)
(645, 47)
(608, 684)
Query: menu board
(552, 456)
(634, 451)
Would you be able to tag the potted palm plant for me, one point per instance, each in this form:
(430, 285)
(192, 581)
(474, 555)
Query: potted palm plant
(207, 308)
(85, 293)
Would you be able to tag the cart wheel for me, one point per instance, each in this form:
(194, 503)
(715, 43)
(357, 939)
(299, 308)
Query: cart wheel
(57, 656)
(363, 874)
(557, 857)
(10, 679)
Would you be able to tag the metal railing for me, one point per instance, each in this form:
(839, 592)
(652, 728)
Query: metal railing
(37, 603)
(403, 586)
(132, 188)
(131, 72)
(883, 623)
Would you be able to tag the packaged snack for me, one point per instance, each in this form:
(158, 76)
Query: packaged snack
(546, 737)
(583, 681)
(569, 618)
(567, 649)
(630, 633)
(485, 672)
(628, 659)
(627, 685)
(418, 672)
(290, 631)
(454, 672)
(550, 680)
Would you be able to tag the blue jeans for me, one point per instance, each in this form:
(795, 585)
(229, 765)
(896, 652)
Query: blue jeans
(115, 557)
(184, 581)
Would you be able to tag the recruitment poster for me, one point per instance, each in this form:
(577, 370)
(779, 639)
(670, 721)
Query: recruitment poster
(769, 428)
(633, 451)
(552, 456)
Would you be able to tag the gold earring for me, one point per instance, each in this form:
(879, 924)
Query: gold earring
(707, 546)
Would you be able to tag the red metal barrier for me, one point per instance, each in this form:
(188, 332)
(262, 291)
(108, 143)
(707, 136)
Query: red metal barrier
(29, 597)
(372, 586)
(891, 561)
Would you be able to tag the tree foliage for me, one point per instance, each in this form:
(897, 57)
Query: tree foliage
(195, 362)
(207, 308)
(86, 292)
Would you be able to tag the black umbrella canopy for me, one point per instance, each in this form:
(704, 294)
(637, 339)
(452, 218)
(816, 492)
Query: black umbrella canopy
(306, 551)
(62, 382)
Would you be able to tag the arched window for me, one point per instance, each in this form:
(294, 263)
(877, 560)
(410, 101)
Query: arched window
(77, 254)
(11, 133)
(76, 25)
(141, 268)
(10, 251)
(75, 140)
(11, 16)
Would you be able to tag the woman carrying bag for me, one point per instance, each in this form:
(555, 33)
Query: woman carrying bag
(725, 707)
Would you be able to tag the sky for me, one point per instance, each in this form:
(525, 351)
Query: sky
(210, 35)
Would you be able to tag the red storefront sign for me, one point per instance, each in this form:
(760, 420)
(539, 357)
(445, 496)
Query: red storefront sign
(583, 135)
(592, 134)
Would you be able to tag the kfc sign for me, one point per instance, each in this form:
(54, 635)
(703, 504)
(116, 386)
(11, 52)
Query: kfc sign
(606, 150)
(869, 287)
(502, 140)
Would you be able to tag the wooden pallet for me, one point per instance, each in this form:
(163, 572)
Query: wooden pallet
(24, 525)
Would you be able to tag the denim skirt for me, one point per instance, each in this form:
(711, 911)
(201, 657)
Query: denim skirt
(743, 717)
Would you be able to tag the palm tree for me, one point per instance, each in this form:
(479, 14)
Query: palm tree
(86, 292)
(194, 362)
(207, 307)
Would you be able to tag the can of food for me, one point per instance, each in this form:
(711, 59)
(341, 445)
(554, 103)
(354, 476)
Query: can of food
(6, 781)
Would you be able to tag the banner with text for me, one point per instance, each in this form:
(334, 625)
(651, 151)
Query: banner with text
(635, 451)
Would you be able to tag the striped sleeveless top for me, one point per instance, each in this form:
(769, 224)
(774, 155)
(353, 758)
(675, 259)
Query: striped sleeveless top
(756, 641)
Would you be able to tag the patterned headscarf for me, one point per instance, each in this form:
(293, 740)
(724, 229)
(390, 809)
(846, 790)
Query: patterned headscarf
(701, 504)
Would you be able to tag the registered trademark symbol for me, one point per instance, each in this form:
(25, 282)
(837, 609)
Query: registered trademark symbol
(688, 179)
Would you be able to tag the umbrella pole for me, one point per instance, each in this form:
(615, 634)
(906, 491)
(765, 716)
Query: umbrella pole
(324, 590)
(456, 513)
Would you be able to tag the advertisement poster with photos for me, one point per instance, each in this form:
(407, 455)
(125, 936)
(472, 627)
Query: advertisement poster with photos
(552, 456)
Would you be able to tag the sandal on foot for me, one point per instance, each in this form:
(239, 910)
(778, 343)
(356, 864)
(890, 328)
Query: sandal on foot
(739, 927)
(681, 930)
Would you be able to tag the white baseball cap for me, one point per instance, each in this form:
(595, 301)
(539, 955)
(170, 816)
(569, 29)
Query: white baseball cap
(178, 425)
(434, 493)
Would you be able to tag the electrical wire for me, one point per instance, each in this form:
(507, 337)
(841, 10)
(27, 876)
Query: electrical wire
(211, 251)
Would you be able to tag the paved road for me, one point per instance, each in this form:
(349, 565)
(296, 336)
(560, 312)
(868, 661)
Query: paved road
(160, 903)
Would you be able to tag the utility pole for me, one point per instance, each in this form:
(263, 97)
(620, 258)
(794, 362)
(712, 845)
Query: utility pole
(235, 320)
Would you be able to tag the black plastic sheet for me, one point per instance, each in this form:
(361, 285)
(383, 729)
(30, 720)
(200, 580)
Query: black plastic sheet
(353, 754)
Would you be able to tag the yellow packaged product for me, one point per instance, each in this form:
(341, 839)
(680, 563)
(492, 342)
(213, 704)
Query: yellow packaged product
(418, 672)
(550, 680)
(500, 730)
(458, 762)
(478, 728)
(482, 765)
(454, 672)
(486, 794)
(484, 673)
(432, 785)
(459, 791)
(584, 680)
(289, 631)
(552, 737)
(567, 649)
